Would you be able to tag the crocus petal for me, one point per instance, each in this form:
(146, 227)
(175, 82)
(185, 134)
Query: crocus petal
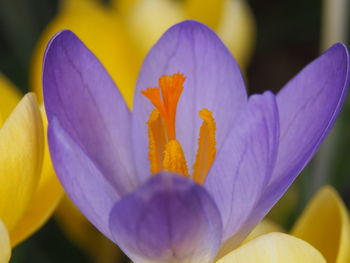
(193, 49)
(81, 178)
(274, 248)
(325, 225)
(48, 191)
(21, 155)
(308, 106)
(81, 95)
(168, 219)
(9, 95)
(44, 201)
(5, 246)
(243, 166)
(42, 205)
(102, 31)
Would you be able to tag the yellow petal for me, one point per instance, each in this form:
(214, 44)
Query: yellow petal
(5, 248)
(146, 21)
(123, 7)
(325, 225)
(264, 227)
(237, 29)
(9, 95)
(149, 19)
(205, 11)
(44, 201)
(274, 248)
(100, 29)
(21, 155)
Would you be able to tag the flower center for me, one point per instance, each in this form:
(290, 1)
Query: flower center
(165, 152)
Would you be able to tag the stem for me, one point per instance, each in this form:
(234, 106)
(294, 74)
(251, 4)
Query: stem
(334, 29)
(334, 22)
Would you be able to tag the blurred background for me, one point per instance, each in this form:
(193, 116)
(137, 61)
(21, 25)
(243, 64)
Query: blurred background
(276, 38)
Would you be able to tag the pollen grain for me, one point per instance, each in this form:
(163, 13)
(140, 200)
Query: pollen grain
(174, 158)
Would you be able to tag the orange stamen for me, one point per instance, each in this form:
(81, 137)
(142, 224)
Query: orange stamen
(156, 141)
(165, 99)
(206, 147)
(174, 158)
(165, 152)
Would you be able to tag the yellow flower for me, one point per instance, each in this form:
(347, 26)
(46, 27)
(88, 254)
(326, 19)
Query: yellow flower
(5, 246)
(322, 229)
(28, 187)
(325, 225)
(274, 248)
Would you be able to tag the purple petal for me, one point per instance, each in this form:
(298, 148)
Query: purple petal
(81, 179)
(308, 106)
(213, 81)
(244, 165)
(168, 219)
(88, 105)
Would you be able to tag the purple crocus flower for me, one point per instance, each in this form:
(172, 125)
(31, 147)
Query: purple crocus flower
(245, 152)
